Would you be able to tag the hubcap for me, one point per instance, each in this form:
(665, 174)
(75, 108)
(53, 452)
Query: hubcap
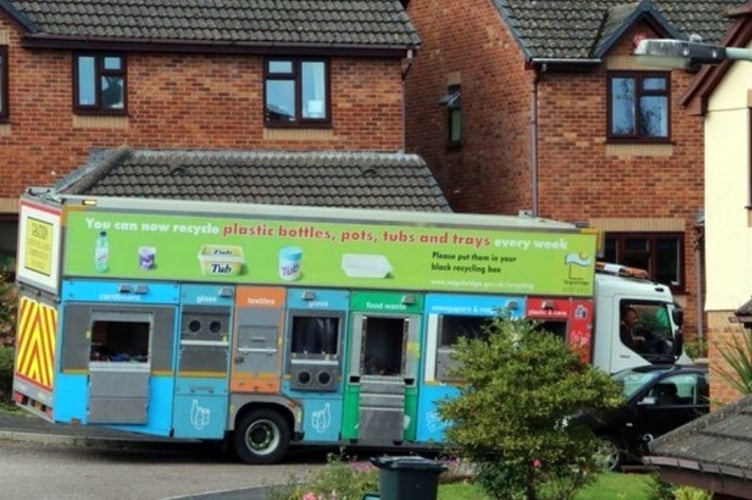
(609, 453)
(262, 437)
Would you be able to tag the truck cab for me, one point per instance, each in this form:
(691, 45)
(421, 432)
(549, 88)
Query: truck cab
(657, 320)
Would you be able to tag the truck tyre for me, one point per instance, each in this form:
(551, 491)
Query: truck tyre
(261, 437)
(611, 453)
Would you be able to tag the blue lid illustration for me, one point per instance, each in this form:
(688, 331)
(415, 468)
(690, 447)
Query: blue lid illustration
(291, 253)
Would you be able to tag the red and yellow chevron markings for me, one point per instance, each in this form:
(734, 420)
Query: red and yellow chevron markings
(35, 353)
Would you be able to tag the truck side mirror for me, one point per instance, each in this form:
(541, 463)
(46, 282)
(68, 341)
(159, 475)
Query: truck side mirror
(678, 316)
(679, 344)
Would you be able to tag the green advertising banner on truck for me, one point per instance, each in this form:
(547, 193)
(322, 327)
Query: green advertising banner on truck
(308, 253)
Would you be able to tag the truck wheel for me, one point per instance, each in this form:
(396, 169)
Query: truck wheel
(262, 437)
(611, 453)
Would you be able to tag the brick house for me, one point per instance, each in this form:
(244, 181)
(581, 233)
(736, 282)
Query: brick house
(720, 96)
(290, 75)
(530, 106)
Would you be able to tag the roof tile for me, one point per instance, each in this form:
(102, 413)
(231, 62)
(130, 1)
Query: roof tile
(342, 179)
(571, 29)
(349, 22)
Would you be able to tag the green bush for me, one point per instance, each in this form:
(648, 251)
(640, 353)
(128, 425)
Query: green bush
(696, 349)
(689, 493)
(6, 374)
(509, 419)
(8, 309)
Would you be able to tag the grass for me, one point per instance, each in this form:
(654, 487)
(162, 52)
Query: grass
(610, 486)
(7, 406)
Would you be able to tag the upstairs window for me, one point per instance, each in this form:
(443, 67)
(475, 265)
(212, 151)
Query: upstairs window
(453, 101)
(99, 84)
(639, 106)
(3, 82)
(296, 92)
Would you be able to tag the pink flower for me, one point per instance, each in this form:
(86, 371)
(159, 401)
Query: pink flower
(536, 463)
(362, 466)
(310, 496)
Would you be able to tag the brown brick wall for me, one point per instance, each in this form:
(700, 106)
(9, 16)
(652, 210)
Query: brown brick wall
(181, 101)
(580, 175)
(490, 173)
(721, 333)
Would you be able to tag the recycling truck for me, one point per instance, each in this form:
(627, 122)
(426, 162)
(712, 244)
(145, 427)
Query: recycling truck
(271, 326)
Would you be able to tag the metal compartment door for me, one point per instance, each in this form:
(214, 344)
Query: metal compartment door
(257, 344)
(120, 366)
(201, 386)
(381, 394)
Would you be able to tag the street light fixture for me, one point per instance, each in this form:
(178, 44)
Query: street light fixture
(685, 54)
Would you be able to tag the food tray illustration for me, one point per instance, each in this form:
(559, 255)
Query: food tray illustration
(221, 260)
(358, 265)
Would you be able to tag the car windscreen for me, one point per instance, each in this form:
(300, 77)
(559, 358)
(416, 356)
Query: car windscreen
(632, 380)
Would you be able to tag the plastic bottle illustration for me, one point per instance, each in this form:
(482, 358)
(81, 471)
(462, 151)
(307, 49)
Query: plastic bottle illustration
(102, 253)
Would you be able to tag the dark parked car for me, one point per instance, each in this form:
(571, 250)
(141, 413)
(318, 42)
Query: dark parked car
(658, 400)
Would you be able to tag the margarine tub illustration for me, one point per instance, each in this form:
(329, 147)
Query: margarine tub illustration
(221, 260)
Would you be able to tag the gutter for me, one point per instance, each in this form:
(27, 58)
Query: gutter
(558, 60)
(718, 479)
(44, 41)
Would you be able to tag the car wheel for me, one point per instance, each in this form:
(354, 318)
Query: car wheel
(610, 453)
(262, 437)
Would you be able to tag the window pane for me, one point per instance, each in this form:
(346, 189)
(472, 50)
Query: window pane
(455, 131)
(113, 63)
(623, 106)
(636, 244)
(654, 84)
(2, 83)
(280, 66)
(654, 116)
(314, 89)
(611, 250)
(86, 81)
(112, 92)
(667, 261)
(280, 100)
(638, 261)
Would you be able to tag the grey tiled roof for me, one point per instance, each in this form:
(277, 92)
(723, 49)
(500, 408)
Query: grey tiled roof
(582, 29)
(720, 441)
(382, 23)
(333, 179)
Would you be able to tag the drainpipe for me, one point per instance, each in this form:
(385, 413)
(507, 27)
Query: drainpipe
(539, 70)
(405, 70)
(700, 299)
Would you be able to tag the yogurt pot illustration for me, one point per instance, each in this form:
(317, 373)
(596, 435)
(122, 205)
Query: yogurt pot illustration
(289, 263)
(147, 257)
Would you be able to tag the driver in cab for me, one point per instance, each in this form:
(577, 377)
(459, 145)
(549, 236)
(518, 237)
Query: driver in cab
(628, 331)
